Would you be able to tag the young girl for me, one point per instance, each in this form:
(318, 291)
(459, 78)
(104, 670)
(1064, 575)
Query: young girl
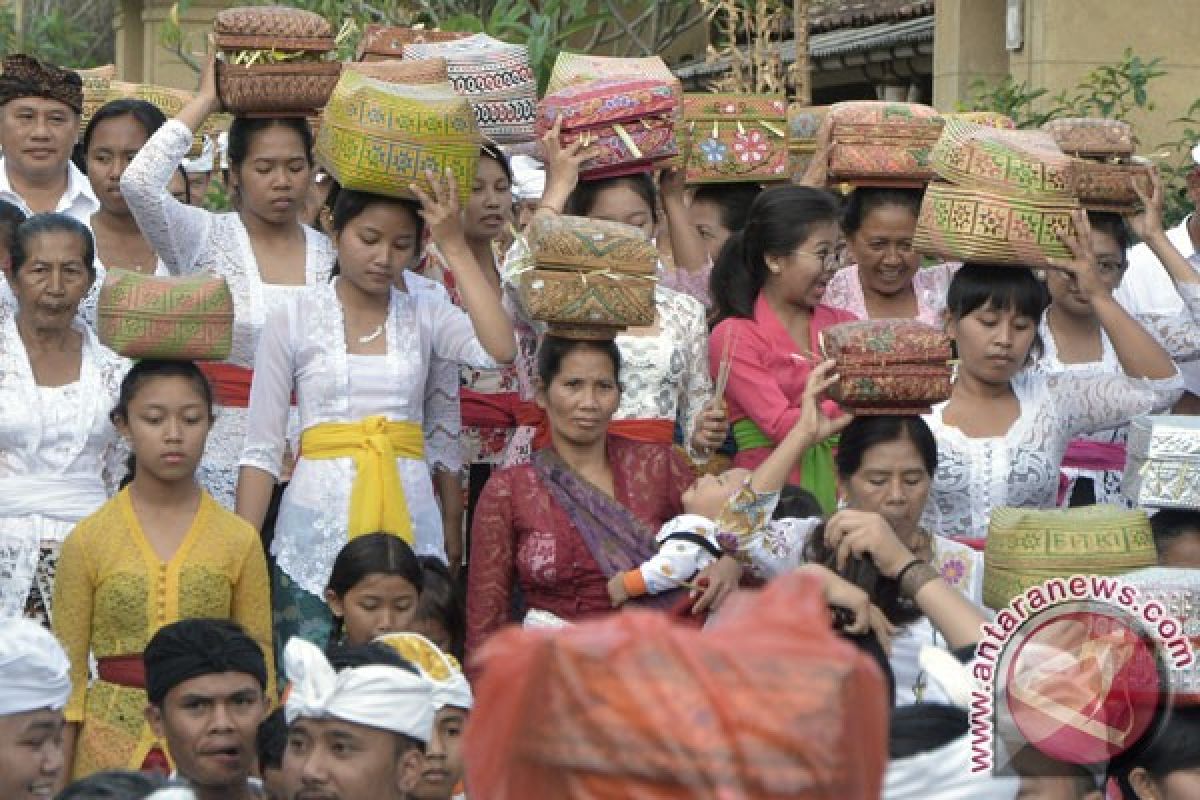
(1074, 341)
(440, 617)
(356, 352)
(374, 589)
(769, 288)
(262, 249)
(161, 550)
(1003, 432)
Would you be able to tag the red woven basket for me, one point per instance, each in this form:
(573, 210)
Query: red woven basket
(297, 89)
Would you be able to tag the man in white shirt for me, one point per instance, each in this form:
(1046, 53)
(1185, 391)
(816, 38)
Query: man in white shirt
(1146, 287)
(40, 105)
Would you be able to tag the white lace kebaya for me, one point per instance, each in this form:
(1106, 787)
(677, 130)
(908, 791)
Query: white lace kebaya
(1020, 468)
(191, 240)
(303, 348)
(1179, 334)
(60, 459)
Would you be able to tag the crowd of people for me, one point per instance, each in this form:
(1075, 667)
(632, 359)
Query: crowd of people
(393, 464)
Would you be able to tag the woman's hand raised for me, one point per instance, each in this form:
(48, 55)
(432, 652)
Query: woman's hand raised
(864, 533)
(440, 209)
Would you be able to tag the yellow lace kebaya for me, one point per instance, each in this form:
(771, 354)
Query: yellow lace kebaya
(115, 593)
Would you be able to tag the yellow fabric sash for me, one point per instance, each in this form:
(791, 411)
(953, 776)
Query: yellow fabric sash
(377, 501)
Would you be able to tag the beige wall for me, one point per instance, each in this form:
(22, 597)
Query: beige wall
(140, 58)
(1063, 41)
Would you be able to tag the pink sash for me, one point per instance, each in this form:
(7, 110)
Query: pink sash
(1086, 454)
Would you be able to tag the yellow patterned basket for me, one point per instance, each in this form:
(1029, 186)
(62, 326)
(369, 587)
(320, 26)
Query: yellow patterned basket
(381, 137)
(1003, 162)
(1026, 547)
(960, 224)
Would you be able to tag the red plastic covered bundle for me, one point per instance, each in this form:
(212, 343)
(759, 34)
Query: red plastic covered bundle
(766, 703)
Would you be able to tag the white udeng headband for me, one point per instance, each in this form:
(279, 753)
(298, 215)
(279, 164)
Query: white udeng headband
(377, 696)
(450, 686)
(34, 671)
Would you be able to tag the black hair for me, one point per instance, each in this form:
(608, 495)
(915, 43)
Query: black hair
(1116, 227)
(554, 349)
(243, 129)
(865, 432)
(1171, 744)
(146, 370)
(371, 554)
(1171, 524)
(865, 200)
(780, 220)
(1002, 288)
(271, 740)
(113, 785)
(441, 601)
(583, 199)
(797, 503)
(350, 203)
(733, 202)
(10, 219)
(859, 436)
(148, 115)
(187, 185)
(496, 154)
(51, 222)
(921, 727)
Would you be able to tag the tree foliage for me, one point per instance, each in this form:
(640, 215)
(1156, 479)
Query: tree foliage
(78, 34)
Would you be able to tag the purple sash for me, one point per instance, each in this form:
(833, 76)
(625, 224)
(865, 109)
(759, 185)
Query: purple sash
(617, 539)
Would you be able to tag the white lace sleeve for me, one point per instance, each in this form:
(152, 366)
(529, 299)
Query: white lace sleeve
(177, 231)
(270, 394)
(1087, 403)
(443, 417)
(1179, 334)
(697, 389)
(454, 337)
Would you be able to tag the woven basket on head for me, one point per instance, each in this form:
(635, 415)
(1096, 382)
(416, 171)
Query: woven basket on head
(1003, 162)
(295, 89)
(1093, 137)
(410, 71)
(966, 224)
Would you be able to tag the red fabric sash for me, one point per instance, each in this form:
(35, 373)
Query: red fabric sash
(481, 410)
(127, 671)
(231, 383)
(649, 431)
(529, 415)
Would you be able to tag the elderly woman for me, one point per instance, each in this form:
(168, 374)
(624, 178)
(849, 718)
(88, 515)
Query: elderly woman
(583, 509)
(59, 454)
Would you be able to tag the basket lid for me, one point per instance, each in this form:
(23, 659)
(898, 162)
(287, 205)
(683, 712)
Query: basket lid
(276, 22)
